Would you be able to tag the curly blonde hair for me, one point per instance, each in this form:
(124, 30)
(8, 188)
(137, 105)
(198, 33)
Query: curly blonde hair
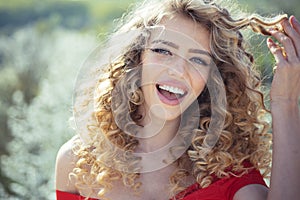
(116, 96)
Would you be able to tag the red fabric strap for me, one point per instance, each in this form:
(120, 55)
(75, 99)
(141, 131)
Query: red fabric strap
(223, 189)
(60, 195)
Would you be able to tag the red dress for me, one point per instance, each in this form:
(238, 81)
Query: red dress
(221, 189)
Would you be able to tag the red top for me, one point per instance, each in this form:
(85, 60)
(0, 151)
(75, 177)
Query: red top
(221, 189)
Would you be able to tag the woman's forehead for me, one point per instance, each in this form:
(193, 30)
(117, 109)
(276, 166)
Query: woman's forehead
(182, 30)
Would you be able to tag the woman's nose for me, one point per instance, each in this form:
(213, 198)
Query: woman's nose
(178, 67)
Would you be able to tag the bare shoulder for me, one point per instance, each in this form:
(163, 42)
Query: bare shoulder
(251, 192)
(65, 163)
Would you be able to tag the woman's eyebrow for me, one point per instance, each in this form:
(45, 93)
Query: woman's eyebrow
(171, 44)
(200, 51)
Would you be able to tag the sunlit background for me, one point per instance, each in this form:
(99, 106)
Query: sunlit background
(42, 46)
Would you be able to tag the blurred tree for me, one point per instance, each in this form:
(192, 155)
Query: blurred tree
(22, 66)
(272, 7)
(37, 58)
(69, 14)
(40, 127)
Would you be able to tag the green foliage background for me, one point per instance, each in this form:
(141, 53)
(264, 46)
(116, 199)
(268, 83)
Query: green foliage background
(42, 46)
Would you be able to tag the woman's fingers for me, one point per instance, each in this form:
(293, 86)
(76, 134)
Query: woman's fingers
(292, 29)
(287, 42)
(295, 23)
(276, 50)
(286, 81)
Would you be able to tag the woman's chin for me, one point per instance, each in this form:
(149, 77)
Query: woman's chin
(166, 114)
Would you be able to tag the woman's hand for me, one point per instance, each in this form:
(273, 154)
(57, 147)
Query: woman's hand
(286, 81)
(285, 92)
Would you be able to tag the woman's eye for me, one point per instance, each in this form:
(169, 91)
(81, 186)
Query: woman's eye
(162, 51)
(198, 61)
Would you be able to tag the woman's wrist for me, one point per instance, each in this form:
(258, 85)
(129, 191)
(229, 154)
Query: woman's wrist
(284, 104)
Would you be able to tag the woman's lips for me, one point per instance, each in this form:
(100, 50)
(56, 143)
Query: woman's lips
(170, 94)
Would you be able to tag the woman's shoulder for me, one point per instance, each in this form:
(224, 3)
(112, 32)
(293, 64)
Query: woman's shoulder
(65, 163)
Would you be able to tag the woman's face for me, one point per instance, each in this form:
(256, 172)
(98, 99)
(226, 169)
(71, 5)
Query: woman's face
(176, 65)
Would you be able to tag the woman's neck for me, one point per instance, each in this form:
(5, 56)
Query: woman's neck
(156, 133)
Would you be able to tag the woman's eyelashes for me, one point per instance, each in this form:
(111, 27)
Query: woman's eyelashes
(162, 51)
(196, 60)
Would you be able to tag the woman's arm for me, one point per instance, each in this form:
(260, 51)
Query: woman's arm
(285, 176)
(285, 92)
(65, 163)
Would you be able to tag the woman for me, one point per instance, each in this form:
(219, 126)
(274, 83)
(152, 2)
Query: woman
(177, 112)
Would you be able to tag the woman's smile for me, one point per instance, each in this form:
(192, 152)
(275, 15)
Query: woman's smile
(171, 92)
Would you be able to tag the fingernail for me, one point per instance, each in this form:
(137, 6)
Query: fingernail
(272, 30)
(293, 18)
(270, 41)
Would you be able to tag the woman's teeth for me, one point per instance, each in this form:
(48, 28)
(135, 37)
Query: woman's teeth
(172, 89)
